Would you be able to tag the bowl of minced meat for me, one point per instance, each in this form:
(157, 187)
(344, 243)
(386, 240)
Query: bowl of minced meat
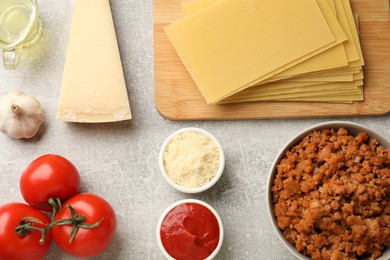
(328, 193)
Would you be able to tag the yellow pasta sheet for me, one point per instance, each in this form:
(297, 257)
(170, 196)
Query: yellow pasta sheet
(340, 98)
(351, 46)
(330, 59)
(231, 44)
(325, 78)
(353, 29)
(329, 78)
(295, 90)
(355, 58)
(338, 95)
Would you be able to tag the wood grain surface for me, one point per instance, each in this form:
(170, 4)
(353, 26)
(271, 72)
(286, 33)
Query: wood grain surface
(178, 98)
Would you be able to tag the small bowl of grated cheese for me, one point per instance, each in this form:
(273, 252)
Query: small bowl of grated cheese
(191, 160)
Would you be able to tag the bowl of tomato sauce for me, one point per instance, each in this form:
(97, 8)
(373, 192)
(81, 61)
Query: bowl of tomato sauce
(190, 229)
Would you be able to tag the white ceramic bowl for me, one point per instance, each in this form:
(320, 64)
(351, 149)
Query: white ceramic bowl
(183, 188)
(353, 128)
(175, 204)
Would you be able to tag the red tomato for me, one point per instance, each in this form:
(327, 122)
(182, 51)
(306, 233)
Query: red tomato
(49, 176)
(15, 247)
(87, 242)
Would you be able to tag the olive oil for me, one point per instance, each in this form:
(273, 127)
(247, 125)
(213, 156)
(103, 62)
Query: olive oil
(20, 27)
(14, 19)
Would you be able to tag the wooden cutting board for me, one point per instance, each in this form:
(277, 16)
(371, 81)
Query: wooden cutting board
(178, 98)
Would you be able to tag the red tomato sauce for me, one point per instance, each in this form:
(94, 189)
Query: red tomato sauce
(190, 231)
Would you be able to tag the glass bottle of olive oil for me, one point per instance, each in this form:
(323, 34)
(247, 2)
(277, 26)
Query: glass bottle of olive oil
(14, 19)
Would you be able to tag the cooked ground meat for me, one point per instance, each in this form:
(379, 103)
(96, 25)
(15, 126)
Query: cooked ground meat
(331, 195)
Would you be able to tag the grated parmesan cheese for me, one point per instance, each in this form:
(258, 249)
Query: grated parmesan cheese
(191, 159)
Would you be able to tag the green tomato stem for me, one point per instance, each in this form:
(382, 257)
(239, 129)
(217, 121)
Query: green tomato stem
(76, 221)
(55, 204)
(26, 225)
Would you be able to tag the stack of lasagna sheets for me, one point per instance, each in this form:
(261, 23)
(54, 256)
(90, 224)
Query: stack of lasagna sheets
(279, 50)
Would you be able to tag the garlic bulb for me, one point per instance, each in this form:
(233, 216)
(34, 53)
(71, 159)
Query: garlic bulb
(20, 115)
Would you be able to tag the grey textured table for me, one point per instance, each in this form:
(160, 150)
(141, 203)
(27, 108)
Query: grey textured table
(119, 161)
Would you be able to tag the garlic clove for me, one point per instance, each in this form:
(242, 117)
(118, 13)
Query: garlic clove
(20, 115)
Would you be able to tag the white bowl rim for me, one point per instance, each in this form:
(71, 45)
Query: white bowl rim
(355, 127)
(179, 202)
(208, 184)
